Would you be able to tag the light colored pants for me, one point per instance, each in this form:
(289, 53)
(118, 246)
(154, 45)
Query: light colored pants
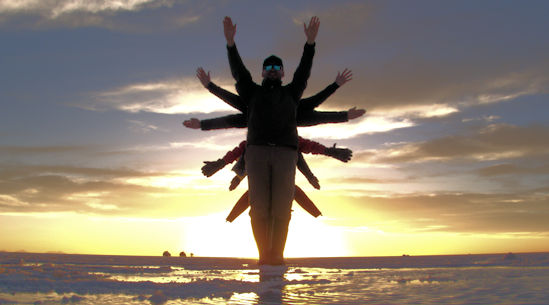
(271, 180)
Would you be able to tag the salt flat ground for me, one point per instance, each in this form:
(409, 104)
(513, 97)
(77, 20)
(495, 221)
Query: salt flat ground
(28, 278)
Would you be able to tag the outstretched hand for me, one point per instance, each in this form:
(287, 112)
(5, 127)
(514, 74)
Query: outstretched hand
(344, 77)
(203, 77)
(313, 180)
(212, 167)
(229, 29)
(312, 29)
(193, 123)
(235, 182)
(354, 113)
(342, 154)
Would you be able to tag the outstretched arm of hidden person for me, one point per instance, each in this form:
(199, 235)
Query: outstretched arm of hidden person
(308, 146)
(303, 71)
(228, 97)
(300, 197)
(305, 202)
(312, 118)
(238, 70)
(310, 103)
(212, 167)
(228, 121)
(240, 206)
(306, 171)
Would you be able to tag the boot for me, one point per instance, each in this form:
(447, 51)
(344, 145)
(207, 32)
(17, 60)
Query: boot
(260, 228)
(279, 235)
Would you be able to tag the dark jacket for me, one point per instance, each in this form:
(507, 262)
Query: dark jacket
(306, 115)
(271, 107)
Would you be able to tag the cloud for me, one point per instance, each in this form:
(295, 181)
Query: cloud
(411, 82)
(10, 201)
(143, 127)
(344, 21)
(11, 172)
(367, 125)
(41, 149)
(513, 169)
(56, 8)
(363, 180)
(461, 212)
(172, 96)
(489, 119)
(428, 57)
(494, 142)
(378, 121)
(89, 190)
(111, 14)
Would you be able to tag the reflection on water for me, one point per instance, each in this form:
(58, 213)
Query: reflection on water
(87, 280)
(398, 286)
(182, 275)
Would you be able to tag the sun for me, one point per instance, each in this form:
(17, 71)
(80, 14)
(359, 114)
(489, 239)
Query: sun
(312, 237)
(212, 236)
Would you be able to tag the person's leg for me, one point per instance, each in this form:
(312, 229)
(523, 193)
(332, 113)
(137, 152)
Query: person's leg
(282, 192)
(258, 169)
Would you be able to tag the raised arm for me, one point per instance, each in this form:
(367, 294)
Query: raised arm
(230, 98)
(238, 70)
(310, 103)
(303, 71)
(228, 121)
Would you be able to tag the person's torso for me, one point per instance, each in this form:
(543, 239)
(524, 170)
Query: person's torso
(272, 117)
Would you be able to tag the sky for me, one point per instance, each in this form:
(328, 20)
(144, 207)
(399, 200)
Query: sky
(452, 156)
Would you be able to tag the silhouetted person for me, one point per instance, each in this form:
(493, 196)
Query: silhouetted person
(271, 152)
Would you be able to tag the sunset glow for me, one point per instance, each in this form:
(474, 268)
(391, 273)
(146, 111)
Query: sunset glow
(451, 156)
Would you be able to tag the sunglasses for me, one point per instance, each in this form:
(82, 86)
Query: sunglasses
(273, 67)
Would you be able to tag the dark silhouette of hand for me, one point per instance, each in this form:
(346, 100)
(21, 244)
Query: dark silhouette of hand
(193, 123)
(229, 30)
(354, 113)
(235, 182)
(342, 154)
(343, 77)
(312, 30)
(313, 180)
(204, 77)
(211, 167)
